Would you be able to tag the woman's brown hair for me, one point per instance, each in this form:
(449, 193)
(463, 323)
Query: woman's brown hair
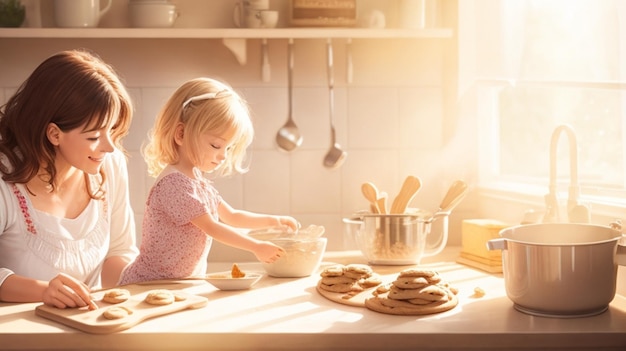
(71, 89)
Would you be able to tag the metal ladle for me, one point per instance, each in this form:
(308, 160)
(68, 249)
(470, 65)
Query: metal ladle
(335, 156)
(288, 136)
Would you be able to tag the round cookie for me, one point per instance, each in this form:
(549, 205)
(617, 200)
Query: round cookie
(358, 271)
(117, 312)
(116, 295)
(430, 293)
(371, 281)
(423, 302)
(341, 288)
(416, 272)
(411, 282)
(333, 271)
(377, 304)
(160, 297)
(337, 280)
(413, 303)
(358, 268)
(382, 289)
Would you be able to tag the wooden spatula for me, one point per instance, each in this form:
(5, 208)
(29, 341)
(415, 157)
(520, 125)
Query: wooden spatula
(370, 192)
(409, 188)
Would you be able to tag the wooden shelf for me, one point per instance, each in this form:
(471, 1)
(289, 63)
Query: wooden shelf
(225, 33)
(233, 38)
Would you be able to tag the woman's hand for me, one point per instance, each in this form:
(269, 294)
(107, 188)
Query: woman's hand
(268, 252)
(63, 291)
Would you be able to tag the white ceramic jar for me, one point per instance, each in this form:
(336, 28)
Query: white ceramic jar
(152, 13)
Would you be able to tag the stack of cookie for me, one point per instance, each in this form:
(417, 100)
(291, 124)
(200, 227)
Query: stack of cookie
(414, 292)
(349, 279)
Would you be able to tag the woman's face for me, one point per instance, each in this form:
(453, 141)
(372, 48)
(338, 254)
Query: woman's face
(84, 150)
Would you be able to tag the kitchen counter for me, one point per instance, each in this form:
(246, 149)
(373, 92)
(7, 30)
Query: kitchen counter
(288, 313)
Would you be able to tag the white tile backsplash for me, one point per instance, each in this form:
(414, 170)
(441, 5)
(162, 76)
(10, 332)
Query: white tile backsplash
(390, 119)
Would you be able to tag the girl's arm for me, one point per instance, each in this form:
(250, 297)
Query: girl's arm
(264, 251)
(247, 219)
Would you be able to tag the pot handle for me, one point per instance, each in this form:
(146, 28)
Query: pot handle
(496, 244)
(620, 255)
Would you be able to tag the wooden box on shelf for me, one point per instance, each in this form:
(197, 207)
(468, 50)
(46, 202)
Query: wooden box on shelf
(322, 13)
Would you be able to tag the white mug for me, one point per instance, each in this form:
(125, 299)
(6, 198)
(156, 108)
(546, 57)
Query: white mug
(247, 13)
(79, 13)
(269, 19)
(418, 14)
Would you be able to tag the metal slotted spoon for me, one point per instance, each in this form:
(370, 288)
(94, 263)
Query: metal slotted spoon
(288, 137)
(335, 156)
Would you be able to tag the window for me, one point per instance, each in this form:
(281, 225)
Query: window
(541, 64)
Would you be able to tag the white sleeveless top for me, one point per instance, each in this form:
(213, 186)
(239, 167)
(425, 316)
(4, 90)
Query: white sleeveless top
(38, 245)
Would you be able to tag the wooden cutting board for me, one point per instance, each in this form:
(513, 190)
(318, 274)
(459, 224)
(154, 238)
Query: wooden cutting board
(94, 322)
(358, 299)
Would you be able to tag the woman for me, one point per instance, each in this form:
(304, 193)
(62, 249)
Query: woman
(66, 225)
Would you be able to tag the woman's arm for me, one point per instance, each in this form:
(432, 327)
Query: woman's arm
(112, 270)
(123, 249)
(20, 289)
(62, 291)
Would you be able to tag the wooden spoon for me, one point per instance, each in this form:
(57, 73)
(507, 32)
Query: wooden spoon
(381, 201)
(409, 188)
(455, 194)
(370, 192)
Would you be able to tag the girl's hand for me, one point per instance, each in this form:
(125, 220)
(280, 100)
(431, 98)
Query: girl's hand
(64, 291)
(268, 252)
(289, 222)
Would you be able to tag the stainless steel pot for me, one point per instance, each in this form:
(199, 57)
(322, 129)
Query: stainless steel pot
(560, 269)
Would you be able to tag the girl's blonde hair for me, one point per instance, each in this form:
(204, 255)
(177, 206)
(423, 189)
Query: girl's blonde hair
(200, 105)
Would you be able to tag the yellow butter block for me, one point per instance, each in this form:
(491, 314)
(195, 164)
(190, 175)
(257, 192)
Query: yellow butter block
(474, 236)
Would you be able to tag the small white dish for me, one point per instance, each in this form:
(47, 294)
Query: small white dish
(225, 281)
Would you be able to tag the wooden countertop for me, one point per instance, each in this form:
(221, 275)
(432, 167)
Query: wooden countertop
(288, 313)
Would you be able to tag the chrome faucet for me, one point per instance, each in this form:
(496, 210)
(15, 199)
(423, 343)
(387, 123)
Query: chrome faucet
(576, 212)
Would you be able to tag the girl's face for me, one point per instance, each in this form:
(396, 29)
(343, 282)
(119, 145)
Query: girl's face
(84, 150)
(213, 150)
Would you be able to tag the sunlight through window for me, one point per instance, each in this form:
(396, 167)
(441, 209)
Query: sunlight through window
(558, 62)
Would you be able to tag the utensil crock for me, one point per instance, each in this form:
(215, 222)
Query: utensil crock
(399, 239)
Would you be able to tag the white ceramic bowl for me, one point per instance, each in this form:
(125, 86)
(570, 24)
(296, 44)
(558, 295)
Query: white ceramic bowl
(303, 258)
(225, 281)
(152, 14)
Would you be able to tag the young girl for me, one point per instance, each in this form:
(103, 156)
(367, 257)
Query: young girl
(204, 127)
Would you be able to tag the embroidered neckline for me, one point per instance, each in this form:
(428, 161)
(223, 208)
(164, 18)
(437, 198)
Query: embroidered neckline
(30, 225)
(24, 209)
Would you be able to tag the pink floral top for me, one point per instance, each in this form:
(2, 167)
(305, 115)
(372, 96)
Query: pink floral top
(171, 246)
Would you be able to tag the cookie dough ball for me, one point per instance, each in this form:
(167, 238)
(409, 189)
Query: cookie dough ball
(117, 312)
(116, 296)
(160, 297)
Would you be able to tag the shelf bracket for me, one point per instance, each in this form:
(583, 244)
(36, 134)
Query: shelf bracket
(237, 47)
